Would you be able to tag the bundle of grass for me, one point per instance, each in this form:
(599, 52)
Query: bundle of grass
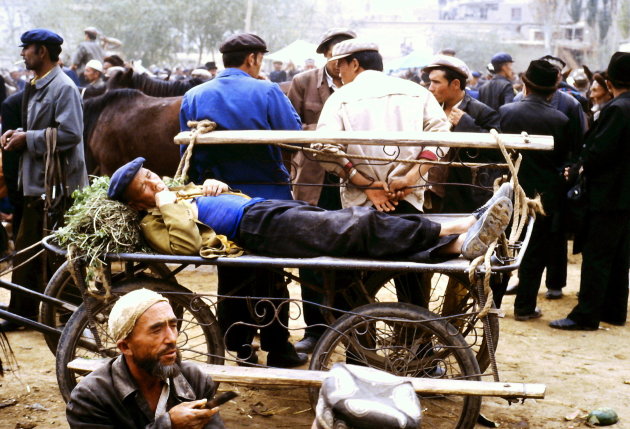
(96, 225)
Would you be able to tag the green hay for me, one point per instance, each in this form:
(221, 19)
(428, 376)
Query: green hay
(96, 225)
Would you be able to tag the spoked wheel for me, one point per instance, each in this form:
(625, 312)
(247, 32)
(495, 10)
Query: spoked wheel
(445, 295)
(62, 286)
(410, 341)
(199, 337)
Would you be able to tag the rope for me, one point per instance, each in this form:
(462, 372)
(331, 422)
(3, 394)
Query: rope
(196, 128)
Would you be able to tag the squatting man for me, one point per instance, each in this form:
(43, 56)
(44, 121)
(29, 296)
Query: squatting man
(295, 229)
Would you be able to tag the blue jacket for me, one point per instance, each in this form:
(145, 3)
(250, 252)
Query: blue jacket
(237, 101)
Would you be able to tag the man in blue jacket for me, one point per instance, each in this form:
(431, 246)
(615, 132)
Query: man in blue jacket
(237, 99)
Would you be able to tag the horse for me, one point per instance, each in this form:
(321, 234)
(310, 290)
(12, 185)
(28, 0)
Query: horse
(151, 86)
(123, 124)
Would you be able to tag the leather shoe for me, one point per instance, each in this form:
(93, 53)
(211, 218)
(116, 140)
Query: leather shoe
(554, 294)
(536, 314)
(9, 326)
(306, 344)
(287, 357)
(567, 324)
(246, 357)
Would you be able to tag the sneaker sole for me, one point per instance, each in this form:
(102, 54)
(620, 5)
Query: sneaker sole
(497, 219)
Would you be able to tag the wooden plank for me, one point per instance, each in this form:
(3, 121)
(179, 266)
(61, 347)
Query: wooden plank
(307, 378)
(379, 138)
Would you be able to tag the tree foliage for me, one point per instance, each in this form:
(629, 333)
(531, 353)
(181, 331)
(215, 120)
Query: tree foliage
(575, 10)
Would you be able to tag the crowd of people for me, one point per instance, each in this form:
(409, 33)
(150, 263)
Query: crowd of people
(44, 123)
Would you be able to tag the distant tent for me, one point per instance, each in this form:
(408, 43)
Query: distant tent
(416, 59)
(297, 52)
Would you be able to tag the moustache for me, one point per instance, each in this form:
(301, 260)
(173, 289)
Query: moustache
(167, 350)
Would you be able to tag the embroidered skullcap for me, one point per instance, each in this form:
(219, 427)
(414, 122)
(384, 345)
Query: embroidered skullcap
(123, 177)
(128, 310)
(364, 398)
(352, 46)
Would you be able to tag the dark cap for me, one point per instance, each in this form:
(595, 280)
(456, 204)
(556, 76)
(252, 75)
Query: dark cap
(123, 177)
(619, 69)
(243, 42)
(210, 65)
(476, 74)
(501, 58)
(541, 75)
(42, 36)
(342, 33)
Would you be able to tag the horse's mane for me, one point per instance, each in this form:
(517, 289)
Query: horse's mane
(162, 88)
(93, 107)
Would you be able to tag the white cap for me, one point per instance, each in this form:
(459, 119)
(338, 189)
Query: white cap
(351, 46)
(95, 64)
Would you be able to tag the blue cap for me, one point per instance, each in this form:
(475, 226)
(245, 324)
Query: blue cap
(40, 35)
(123, 177)
(501, 58)
(476, 74)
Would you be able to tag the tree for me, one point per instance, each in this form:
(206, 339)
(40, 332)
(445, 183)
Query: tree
(575, 10)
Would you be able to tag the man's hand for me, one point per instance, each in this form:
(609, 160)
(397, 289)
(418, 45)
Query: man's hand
(213, 187)
(13, 140)
(165, 197)
(380, 197)
(400, 188)
(455, 116)
(191, 415)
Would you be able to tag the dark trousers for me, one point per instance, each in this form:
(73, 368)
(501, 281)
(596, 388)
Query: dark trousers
(603, 292)
(295, 229)
(557, 265)
(239, 318)
(544, 249)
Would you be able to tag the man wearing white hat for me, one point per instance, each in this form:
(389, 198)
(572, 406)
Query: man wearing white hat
(93, 73)
(369, 100)
(87, 50)
(147, 386)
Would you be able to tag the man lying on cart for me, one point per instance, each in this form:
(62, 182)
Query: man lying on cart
(295, 229)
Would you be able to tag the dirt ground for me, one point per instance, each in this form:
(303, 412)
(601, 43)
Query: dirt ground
(582, 371)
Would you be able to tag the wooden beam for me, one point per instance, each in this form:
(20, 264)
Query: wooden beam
(307, 378)
(378, 138)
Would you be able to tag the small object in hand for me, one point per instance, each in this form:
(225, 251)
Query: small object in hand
(221, 399)
(602, 417)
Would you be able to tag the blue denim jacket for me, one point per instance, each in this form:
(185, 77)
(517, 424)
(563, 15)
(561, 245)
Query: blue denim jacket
(237, 101)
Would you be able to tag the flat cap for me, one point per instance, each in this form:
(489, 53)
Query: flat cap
(333, 33)
(619, 69)
(123, 177)
(40, 35)
(449, 62)
(501, 58)
(243, 42)
(352, 46)
(91, 30)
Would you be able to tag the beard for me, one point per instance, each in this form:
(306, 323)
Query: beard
(154, 367)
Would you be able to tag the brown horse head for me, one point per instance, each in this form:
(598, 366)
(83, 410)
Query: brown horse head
(121, 79)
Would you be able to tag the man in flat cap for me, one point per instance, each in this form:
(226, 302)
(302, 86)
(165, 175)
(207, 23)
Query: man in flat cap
(147, 385)
(87, 50)
(499, 90)
(540, 174)
(369, 100)
(605, 240)
(51, 104)
(308, 93)
(238, 100)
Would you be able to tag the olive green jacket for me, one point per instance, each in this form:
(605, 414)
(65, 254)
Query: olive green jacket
(174, 229)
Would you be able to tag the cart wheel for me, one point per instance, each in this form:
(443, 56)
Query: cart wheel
(448, 296)
(199, 337)
(61, 286)
(410, 341)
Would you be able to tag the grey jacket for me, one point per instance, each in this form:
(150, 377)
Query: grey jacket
(55, 103)
(109, 398)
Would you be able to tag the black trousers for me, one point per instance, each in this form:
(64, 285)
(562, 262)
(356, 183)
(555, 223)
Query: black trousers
(240, 318)
(296, 229)
(546, 249)
(603, 292)
(34, 274)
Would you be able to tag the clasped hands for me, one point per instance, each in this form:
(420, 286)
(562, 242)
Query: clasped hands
(211, 188)
(385, 196)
